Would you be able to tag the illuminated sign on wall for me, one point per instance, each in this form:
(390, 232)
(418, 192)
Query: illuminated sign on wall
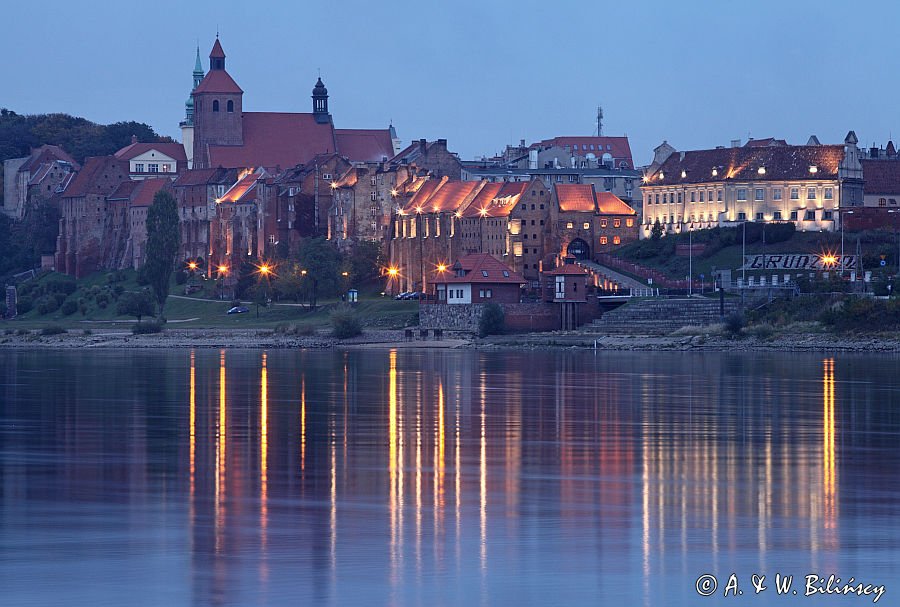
(797, 261)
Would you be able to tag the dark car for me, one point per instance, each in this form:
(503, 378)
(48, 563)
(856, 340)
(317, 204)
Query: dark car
(239, 310)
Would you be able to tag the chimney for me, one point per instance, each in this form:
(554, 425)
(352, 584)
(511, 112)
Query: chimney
(422, 144)
(521, 143)
(134, 139)
(442, 143)
(681, 156)
(735, 143)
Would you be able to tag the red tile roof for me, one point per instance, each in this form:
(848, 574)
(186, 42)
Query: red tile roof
(479, 268)
(743, 163)
(46, 154)
(274, 139)
(610, 204)
(242, 191)
(364, 145)
(497, 199)
(881, 176)
(195, 177)
(125, 189)
(86, 180)
(426, 188)
(217, 51)
(761, 143)
(148, 188)
(618, 147)
(218, 81)
(449, 198)
(576, 197)
(172, 150)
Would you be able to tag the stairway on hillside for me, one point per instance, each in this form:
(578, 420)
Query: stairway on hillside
(659, 316)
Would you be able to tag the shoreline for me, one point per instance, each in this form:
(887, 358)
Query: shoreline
(382, 338)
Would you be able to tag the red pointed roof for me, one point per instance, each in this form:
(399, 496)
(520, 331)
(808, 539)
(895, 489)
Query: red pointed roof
(578, 197)
(172, 150)
(479, 268)
(610, 204)
(217, 52)
(218, 81)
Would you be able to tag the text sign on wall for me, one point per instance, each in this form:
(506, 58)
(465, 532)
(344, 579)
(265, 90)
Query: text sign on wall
(796, 261)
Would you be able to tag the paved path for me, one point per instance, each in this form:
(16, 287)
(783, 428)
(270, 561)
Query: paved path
(626, 282)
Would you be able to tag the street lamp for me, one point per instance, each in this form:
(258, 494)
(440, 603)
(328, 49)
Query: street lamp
(691, 260)
(265, 270)
(222, 273)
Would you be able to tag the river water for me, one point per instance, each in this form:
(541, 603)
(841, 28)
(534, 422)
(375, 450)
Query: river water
(410, 477)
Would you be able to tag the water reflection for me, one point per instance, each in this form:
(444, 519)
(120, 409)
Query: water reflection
(438, 477)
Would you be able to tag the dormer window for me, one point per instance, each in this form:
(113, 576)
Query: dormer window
(813, 169)
(484, 273)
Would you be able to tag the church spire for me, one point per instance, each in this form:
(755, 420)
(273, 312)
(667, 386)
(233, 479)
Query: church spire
(217, 56)
(320, 102)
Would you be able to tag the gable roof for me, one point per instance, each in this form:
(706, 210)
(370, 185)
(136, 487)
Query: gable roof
(743, 163)
(172, 150)
(881, 176)
(497, 199)
(218, 81)
(610, 204)
(125, 189)
(275, 139)
(46, 154)
(479, 268)
(86, 180)
(577, 197)
(364, 145)
(244, 190)
(147, 189)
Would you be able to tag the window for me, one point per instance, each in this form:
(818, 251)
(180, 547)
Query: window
(505, 273)
(665, 199)
(603, 240)
(617, 240)
(828, 215)
(572, 178)
(139, 167)
(569, 225)
(777, 216)
(603, 223)
(586, 226)
(271, 238)
(882, 202)
(629, 222)
(759, 194)
(793, 215)
(742, 194)
(679, 198)
(742, 217)
(693, 197)
(617, 223)
(374, 196)
(709, 196)
(230, 106)
(484, 273)
(657, 199)
(167, 168)
(215, 105)
(153, 168)
(776, 194)
(327, 177)
(893, 202)
(701, 196)
(719, 195)
(829, 193)
(759, 217)
(810, 193)
(810, 216)
(795, 193)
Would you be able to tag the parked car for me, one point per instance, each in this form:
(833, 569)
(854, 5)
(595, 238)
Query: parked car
(238, 310)
(403, 295)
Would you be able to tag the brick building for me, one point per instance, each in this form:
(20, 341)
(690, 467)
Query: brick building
(476, 279)
(196, 192)
(41, 175)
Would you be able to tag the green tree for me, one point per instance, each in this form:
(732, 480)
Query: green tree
(365, 262)
(322, 263)
(137, 304)
(492, 321)
(163, 239)
(657, 231)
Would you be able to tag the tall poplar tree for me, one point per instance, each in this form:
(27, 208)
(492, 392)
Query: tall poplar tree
(163, 240)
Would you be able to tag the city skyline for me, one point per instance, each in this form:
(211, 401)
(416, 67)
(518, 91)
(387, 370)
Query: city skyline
(539, 70)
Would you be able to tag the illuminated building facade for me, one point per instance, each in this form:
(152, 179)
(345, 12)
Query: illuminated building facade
(763, 180)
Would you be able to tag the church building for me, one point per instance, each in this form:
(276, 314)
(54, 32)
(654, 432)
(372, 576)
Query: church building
(217, 132)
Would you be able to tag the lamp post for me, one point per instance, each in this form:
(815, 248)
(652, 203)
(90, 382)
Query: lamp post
(691, 260)
(393, 273)
(265, 270)
(222, 273)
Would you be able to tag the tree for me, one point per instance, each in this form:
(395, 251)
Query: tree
(138, 304)
(492, 321)
(657, 231)
(322, 263)
(365, 262)
(163, 240)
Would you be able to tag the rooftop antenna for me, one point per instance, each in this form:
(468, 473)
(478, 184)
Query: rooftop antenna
(599, 121)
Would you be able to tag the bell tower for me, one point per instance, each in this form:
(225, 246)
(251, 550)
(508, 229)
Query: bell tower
(320, 102)
(218, 109)
(187, 125)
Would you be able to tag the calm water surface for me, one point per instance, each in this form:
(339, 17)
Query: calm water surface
(442, 478)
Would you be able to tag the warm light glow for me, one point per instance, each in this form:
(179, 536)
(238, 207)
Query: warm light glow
(393, 271)
(192, 265)
(829, 260)
(442, 267)
(828, 449)
(483, 212)
(266, 269)
(334, 185)
(345, 274)
(302, 272)
(458, 214)
(813, 168)
(661, 176)
(393, 192)
(418, 209)
(761, 170)
(715, 172)
(683, 174)
(223, 269)
(264, 448)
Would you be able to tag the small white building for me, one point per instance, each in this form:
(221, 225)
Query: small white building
(148, 160)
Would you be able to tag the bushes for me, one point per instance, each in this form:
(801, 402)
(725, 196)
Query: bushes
(863, 314)
(492, 321)
(69, 307)
(145, 328)
(52, 330)
(734, 324)
(345, 323)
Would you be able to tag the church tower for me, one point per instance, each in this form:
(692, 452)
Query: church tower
(187, 125)
(320, 103)
(218, 109)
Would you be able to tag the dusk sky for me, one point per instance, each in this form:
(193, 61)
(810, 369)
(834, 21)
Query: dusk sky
(481, 74)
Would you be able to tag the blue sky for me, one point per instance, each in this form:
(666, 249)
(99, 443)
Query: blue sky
(481, 74)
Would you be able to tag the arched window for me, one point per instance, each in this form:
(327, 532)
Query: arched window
(215, 105)
(230, 105)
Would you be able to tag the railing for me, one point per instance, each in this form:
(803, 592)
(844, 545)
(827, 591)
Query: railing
(646, 273)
